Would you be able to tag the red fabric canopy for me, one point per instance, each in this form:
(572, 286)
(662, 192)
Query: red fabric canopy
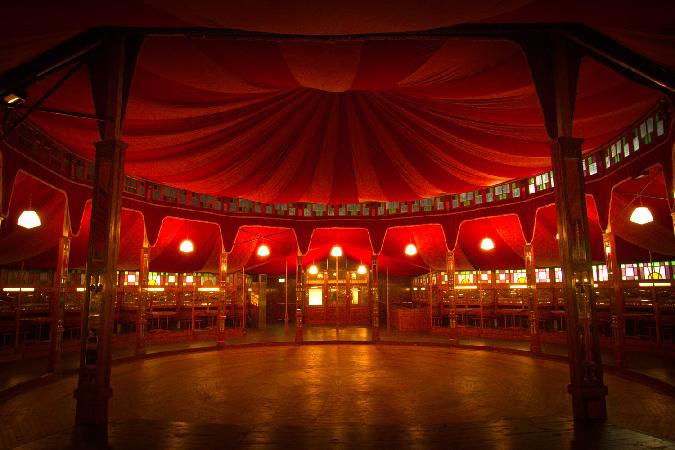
(339, 122)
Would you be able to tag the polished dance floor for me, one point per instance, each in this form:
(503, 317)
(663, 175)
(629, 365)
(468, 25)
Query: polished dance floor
(341, 396)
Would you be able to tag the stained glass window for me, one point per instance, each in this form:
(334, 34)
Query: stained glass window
(465, 277)
(600, 273)
(519, 276)
(629, 272)
(543, 275)
(656, 270)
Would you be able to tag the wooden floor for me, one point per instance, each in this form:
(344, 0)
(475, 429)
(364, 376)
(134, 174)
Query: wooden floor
(341, 396)
(538, 433)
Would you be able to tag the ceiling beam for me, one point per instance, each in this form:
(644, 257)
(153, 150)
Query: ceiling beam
(592, 42)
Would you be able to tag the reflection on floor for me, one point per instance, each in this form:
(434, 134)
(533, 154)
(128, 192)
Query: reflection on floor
(342, 396)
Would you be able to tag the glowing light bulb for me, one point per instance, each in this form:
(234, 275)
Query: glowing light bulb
(186, 246)
(313, 270)
(641, 215)
(29, 219)
(361, 270)
(487, 244)
(410, 249)
(336, 251)
(263, 250)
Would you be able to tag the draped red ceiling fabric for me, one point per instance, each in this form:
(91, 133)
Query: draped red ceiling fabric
(635, 242)
(37, 247)
(342, 121)
(165, 255)
(132, 233)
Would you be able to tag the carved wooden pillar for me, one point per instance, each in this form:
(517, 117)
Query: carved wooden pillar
(587, 388)
(450, 270)
(110, 69)
(299, 299)
(430, 298)
(375, 298)
(57, 304)
(617, 301)
(348, 299)
(554, 64)
(535, 338)
(143, 281)
(222, 284)
(326, 299)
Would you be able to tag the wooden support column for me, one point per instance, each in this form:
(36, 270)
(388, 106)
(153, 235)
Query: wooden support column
(375, 298)
(299, 299)
(430, 298)
(326, 298)
(450, 270)
(222, 315)
(243, 299)
(141, 317)
(110, 69)
(348, 300)
(535, 338)
(617, 301)
(554, 64)
(57, 304)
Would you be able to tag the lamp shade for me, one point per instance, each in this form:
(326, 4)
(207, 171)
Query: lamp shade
(29, 219)
(641, 215)
(186, 246)
(361, 270)
(410, 249)
(336, 251)
(263, 250)
(487, 244)
(313, 270)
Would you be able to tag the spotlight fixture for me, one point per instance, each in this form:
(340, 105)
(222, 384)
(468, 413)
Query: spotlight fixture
(186, 246)
(410, 249)
(487, 244)
(29, 219)
(263, 250)
(641, 215)
(361, 270)
(336, 251)
(13, 99)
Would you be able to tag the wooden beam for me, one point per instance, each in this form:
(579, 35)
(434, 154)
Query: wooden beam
(375, 298)
(554, 64)
(109, 68)
(54, 59)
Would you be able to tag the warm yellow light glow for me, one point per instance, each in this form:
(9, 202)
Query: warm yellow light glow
(518, 286)
(80, 289)
(131, 278)
(313, 270)
(336, 251)
(361, 270)
(155, 289)
(282, 280)
(12, 98)
(263, 250)
(29, 219)
(557, 236)
(487, 244)
(11, 289)
(410, 249)
(208, 289)
(186, 246)
(657, 284)
(641, 215)
(466, 286)
(189, 278)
